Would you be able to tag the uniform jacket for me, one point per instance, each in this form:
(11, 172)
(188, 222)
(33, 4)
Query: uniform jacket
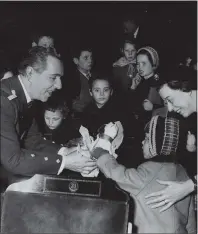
(179, 218)
(23, 150)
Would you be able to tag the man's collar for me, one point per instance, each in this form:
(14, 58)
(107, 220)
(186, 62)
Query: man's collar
(84, 74)
(136, 32)
(25, 91)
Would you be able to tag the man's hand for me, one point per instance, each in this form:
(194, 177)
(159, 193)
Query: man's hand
(76, 162)
(148, 106)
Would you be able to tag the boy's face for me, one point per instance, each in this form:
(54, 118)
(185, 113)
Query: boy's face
(145, 147)
(144, 66)
(53, 119)
(85, 61)
(129, 52)
(101, 92)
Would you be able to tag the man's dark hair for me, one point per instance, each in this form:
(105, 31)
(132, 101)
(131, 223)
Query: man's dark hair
(78, 49)
(182, 79)
(36, 57)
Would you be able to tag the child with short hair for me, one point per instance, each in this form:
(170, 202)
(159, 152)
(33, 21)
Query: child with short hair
(57, 125)
(44, 39)
(78, 79)
(102, 109)
(159, 148)
(126, 76)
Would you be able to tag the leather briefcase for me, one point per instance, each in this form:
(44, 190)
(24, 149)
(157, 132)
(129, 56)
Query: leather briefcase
(51, 204)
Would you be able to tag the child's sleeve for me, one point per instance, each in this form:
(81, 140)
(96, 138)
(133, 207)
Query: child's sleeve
(130, 180)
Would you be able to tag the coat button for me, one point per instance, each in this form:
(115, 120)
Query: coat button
(53, 141)
(33, 155)
(58, 160)
(44, 138)
(45, 158)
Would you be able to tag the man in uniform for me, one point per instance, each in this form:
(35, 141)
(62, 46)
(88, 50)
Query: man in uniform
(23, 150)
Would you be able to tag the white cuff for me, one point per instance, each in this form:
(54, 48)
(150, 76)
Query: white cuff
(63, 150)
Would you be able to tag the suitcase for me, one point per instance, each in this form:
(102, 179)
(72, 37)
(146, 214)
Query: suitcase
(64, 205)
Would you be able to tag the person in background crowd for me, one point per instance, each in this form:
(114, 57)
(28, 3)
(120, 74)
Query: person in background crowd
(45, 40)
(189, 58)
(134, 26)
(125, 73)
(23, 150)
(147, 95)
(181, 98)
(78, 81)
(131, 26)
(102, 110)
(58, 126)
(128, 27)
(162, 136)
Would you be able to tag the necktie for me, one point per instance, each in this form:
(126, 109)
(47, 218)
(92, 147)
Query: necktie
(88, 75)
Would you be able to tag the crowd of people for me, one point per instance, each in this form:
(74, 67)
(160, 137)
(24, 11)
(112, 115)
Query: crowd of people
(42, 110)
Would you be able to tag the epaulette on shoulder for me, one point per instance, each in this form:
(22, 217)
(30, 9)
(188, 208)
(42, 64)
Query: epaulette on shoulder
(13, 95)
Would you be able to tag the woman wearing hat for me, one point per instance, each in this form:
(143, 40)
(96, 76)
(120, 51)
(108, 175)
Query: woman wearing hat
(160, 149)
(181, 97)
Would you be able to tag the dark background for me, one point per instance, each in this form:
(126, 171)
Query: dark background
(173, 26)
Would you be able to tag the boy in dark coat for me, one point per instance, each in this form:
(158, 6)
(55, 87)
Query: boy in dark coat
(78, 95)
(102, 109)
